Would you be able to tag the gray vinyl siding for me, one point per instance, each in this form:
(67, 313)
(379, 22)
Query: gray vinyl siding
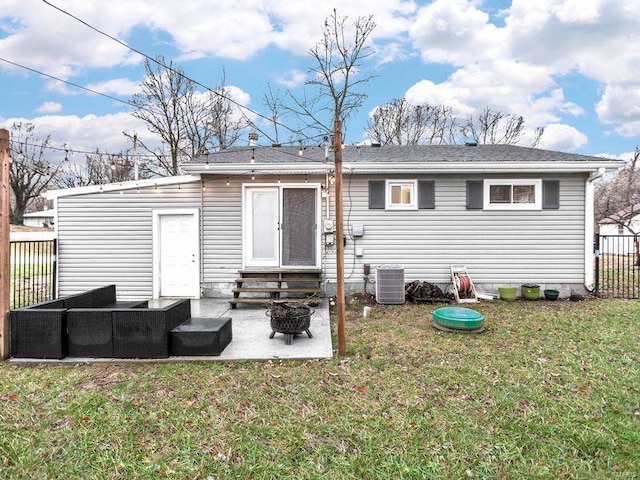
(221, 230)
(106, 238)
(497, 247)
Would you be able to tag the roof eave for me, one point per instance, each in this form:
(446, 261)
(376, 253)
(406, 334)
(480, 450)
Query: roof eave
(265, 168)
(484, 167)
(405, 167)
(115, 187)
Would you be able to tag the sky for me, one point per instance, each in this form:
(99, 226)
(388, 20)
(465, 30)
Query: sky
(570, 66)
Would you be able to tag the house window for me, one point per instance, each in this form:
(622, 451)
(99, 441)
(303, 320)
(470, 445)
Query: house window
(513, 194)
(620, 229)
(401, 195)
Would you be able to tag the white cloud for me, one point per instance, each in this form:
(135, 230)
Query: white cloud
(620, 106)
(456, 32)
(117, 86)
(292, 78)
(519, 67)
(86, 133)
(427, 92)
(49, 107)
(562, 137)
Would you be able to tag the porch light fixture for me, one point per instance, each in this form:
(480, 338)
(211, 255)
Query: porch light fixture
(228, 181)
(206, 164)
(113, 164)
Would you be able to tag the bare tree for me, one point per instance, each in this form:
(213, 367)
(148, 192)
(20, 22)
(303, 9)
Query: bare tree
(274, 100)
(336, 75)
(30, 173)
(400, 123)
(161, 105)
(189, 123)
(496, 127)
(618, 200)
(99, 168)
(227, 122)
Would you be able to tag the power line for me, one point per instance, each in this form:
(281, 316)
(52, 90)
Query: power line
(131, 104)
(168, 67)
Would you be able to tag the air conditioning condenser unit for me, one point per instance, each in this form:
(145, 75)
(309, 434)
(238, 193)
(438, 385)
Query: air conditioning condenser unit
(390, 284)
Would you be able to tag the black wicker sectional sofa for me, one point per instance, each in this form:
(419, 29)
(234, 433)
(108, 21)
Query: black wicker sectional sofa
(94, 324)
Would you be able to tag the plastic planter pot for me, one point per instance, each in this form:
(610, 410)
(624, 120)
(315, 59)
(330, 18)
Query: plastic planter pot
(508, 293)
(530, 292)
(551, 294)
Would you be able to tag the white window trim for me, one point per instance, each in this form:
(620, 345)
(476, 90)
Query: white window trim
(537, 183)
(414, 195)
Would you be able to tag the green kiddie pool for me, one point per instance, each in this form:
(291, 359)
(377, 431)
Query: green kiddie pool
(458, 320)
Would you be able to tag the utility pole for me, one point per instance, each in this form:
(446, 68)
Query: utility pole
(5, 257)
(135, 157)
(337, 150)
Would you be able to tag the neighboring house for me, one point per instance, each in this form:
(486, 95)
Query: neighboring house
(512, 215)
(620, 237)
(44, 218)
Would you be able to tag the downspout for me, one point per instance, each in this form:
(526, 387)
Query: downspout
(589, 213)
(56, 268)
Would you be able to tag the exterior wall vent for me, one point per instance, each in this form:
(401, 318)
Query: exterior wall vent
(390, 284)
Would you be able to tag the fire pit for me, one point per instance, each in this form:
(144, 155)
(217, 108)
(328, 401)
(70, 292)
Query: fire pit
(290, 319)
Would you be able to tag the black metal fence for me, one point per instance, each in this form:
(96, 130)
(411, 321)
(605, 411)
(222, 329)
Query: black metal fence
(617, 266)
(33, 272)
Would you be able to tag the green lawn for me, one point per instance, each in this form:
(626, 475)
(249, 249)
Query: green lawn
(549, 390)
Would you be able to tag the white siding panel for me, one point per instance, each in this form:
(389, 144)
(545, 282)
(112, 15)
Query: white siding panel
(106, 238)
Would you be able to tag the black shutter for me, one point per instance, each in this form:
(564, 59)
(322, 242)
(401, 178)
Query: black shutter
(426, 194)
(376, 194)
(551, 194)
(475, 199)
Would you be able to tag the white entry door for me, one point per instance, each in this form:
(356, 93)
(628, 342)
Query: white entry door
(176, 247)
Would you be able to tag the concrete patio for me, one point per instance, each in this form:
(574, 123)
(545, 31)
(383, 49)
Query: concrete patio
(251, 329)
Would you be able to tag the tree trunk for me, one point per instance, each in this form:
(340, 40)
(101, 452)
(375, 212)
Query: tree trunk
(17, 213)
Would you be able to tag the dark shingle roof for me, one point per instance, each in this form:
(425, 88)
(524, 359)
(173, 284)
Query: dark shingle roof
(395, 154)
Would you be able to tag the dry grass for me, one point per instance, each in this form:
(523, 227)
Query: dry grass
(549, 390)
